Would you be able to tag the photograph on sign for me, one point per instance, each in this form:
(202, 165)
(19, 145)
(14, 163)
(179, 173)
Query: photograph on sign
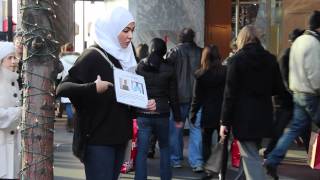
(130, 89)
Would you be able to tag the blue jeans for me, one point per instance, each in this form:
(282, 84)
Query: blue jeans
(103, 162)
(195, 142)
(69, 112)
(195, 139)
(306, 109)
(160, 126)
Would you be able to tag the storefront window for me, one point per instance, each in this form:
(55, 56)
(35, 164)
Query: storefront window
(265, 15)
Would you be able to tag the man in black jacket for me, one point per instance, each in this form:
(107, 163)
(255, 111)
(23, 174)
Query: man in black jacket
(185, 57)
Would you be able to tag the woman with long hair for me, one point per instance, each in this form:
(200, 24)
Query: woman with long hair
(253, 77)
(208, 96)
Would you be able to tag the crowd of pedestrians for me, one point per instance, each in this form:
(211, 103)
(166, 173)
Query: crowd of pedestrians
(249, 96)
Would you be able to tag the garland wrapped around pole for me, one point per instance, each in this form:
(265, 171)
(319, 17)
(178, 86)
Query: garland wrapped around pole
(40, 66)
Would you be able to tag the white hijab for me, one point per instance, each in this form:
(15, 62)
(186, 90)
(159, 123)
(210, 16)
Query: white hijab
(105, 33)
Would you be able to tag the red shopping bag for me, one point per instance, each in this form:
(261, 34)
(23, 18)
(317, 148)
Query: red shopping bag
(235, 154)
(314, 151)
(128, 166)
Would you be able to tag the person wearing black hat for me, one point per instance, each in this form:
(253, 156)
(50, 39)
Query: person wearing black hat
(161, 85)
(304, 82)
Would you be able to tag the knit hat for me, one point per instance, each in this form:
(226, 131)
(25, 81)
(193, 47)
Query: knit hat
(314, 21)
(5, 49)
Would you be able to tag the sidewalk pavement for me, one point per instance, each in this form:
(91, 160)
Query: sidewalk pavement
(67, 167)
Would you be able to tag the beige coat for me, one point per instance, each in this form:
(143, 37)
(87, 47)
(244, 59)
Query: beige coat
(10, 115)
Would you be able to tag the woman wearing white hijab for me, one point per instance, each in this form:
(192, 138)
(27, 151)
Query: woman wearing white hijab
(106, 123)
(10, 113)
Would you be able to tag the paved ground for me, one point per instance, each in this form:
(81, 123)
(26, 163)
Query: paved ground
(67, 167)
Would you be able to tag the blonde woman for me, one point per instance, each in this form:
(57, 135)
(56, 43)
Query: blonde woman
(253, 76)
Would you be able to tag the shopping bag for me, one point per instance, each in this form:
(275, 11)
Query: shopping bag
(214, 162)
(314, 151)
(128, 165)
(235, 154)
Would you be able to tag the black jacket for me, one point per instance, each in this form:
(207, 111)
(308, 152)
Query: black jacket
(161, 85)
(253, 77)
(284, 101)
(208, 94)
(186, 59)
(112, 121)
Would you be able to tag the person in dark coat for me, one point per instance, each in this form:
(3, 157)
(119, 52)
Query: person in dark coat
(142, 51)
(253, 77)
(283, 104)
(105, 123)
(185, 58)
(161, 85)
(208, 95)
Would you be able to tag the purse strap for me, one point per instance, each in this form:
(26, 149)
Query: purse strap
(103, 55)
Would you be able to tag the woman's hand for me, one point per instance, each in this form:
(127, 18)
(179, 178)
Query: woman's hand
(223, 131)
(179, 124)
(102, 86)
(151, 106)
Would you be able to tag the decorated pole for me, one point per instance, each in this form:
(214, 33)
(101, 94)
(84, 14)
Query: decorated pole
(39, 70)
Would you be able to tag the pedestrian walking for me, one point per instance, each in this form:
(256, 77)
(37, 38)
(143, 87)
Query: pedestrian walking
(161, 85)
(185, 58)
(253, 77)
(208, 96)
(304, 82)
(283, 104)
(209, 87)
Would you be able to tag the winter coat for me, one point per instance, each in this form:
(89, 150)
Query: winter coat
(186, 59)
(208, 94)
(253, 76)
(284, 101)
(10, 116)
(161, 85)
(111, 121)
(304, 65)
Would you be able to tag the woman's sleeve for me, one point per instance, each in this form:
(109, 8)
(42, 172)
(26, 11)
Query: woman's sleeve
(79, 81)
(230, 93)
(10, 117)
(69, 87)
(196, 101)
(173, 98)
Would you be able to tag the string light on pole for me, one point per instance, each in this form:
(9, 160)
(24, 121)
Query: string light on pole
(39, 69)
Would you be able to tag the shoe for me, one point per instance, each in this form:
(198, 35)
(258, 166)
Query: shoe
(209, 175)
(272, 171)
(177, 166)
(197, 169)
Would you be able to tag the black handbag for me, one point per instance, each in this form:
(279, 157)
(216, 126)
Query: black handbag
(216, 158)
(79, 142)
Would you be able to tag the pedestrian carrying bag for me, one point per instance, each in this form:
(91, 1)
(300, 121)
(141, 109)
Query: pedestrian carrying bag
(314, 151)
(82, 128)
